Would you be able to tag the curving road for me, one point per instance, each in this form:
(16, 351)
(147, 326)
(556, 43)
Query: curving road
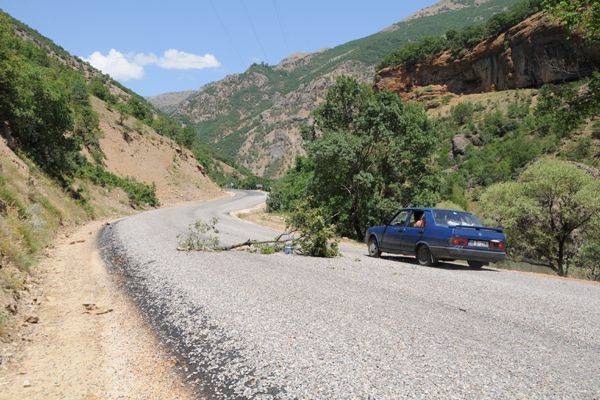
(293, 327)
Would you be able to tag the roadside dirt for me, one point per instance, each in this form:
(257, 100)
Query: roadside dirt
(81, 338)
(276, 221)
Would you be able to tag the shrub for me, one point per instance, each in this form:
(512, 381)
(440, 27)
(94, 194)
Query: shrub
(139, 194)
(588, 259)
(462, 113)
(317, 236)
(552, 202)
(596, 130)
(98, 88)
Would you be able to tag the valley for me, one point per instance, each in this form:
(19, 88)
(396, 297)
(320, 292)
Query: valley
(255, 118)
(142, 244)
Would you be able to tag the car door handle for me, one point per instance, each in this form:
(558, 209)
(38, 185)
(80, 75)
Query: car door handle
(399, 229)
(421, 231)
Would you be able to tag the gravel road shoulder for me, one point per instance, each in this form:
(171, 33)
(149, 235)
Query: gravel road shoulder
(102, 351)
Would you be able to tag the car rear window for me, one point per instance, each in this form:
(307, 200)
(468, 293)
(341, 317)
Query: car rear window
(453, 218)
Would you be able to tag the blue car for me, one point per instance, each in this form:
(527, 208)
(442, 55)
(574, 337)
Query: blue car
(433, 234)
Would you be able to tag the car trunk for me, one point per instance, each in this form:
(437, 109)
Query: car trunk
(478, 236)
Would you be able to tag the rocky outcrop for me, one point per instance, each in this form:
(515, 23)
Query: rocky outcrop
(459, 145)
(530, 54)
(167, 102)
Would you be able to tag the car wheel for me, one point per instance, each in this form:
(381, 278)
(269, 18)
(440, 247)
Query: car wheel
(374, 250)
(476, 264)
(424, 256)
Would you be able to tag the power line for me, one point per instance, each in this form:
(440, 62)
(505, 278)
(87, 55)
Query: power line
(283, 35)
(254, 31)
(229, 37)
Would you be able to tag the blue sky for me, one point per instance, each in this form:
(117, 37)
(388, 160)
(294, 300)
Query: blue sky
(163, 46)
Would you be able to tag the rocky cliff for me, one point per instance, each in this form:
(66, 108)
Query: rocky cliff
(532, 53)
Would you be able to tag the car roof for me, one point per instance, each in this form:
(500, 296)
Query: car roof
(434, 209)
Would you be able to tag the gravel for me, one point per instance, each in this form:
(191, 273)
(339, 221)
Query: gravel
(285, 327)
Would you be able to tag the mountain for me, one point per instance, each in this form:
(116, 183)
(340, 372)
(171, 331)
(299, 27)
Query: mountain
(256, 117)
(168, 101)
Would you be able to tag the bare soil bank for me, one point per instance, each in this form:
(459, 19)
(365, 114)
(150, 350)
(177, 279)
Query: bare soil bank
(81, 338)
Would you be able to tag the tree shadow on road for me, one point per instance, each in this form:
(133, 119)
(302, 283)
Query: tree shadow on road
(439, 265)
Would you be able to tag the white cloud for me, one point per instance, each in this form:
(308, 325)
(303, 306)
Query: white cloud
(116, 65)
(176, 59)
(143, 59)
(131, 66)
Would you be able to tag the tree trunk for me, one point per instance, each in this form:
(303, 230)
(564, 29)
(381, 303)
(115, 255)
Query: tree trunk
(359, 232)
(560, 258)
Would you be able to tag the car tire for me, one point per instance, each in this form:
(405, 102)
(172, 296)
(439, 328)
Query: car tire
(373, 246)
(424, 256)
(476, 264)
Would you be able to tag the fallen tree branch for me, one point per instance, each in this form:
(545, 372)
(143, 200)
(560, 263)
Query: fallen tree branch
(315, 237)
(250, 242)
(277, 240)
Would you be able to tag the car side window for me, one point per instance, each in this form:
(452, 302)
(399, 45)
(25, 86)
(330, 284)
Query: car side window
(417, 219)
(400, 219)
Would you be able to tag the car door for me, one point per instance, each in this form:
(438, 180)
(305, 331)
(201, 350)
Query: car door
(392, 237)
(413, 234)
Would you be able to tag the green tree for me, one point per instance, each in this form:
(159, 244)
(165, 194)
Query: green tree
(292, 187)
(36, 108)
(98, 88)
(577, 15)
(371, 154)
(543, 212)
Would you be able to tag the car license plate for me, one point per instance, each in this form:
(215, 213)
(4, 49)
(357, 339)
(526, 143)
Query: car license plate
(478, 243)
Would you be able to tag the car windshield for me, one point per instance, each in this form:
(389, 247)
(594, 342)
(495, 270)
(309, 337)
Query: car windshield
(453, 218)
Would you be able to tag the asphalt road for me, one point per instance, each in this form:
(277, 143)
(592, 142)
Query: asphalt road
(282, 326)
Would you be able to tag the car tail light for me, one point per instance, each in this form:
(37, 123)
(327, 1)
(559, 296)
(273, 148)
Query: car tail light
(497, 245)
(455, 241)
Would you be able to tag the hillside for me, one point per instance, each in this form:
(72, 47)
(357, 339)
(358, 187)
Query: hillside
(167, 102)
(74, 146)
(532, 53)
(525, 159)
(256, 117)
(136, 150)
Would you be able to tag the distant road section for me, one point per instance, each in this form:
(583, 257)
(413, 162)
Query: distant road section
(292, 327)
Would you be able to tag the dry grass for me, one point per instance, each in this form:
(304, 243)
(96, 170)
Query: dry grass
(259, 216)
(490, 101)
(2, 323)
(32, 210)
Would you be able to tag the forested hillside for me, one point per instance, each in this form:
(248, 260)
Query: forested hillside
(255, 118)
(524, 159)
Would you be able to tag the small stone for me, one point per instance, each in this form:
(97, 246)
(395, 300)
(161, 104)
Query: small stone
(26, 383)
(32, 319)
(12, 308)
